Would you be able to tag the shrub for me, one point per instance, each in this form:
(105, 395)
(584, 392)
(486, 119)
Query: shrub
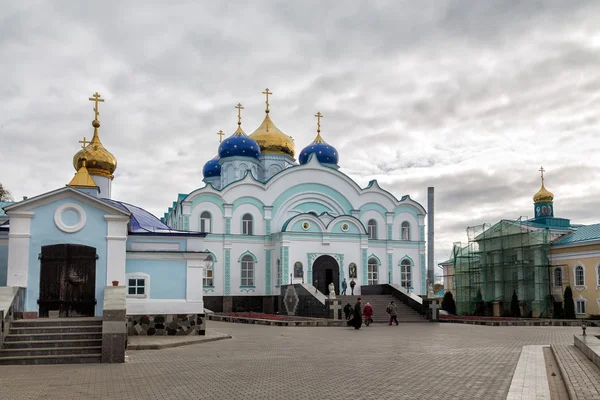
(515, 311)
(568, 304)
(448, 303)
(479, 304)
(558, 311)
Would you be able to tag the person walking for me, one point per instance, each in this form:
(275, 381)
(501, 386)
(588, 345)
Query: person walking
(344, 287)
(352, 284)
(357, 318)
(368, 313)
(393, 311)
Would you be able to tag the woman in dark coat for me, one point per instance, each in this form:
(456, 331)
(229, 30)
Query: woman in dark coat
(357, 320)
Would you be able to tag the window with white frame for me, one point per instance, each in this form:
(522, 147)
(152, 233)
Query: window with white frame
(138, 285)
(579, 276)
(598, 275)
(247, 224)
(207, 280)
(205, 222)
(406, 274)
(580, 305)
(372, 229)
(405, 231)
(558, 279)
(372, 271)
(247, 270)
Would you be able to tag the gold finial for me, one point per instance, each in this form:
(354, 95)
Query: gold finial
(84, 143)
(542, 171)
(267, 93)
(96, 99)
(220, 133)
(319, 116)
(239, 108)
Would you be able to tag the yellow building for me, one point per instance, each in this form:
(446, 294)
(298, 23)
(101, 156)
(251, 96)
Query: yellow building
(575, 262)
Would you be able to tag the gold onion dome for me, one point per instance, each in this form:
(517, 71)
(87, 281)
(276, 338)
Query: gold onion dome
(99, 161)
(272, 140)
(543, 196)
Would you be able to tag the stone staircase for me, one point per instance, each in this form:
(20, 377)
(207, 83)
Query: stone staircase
(53, 341)
(380, 303)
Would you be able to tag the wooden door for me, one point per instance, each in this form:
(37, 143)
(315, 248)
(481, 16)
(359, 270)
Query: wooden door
(68, 280)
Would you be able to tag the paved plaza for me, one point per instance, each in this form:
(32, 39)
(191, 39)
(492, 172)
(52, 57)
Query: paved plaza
(411, 361)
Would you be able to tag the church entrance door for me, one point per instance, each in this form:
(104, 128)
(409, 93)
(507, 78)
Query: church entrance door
(326, 270)
(68, 280)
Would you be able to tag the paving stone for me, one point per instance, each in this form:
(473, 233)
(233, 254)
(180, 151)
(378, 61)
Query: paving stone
(581, 376)
(410, 361)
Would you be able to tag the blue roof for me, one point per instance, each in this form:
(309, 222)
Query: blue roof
(2, 205)
(212, 168)
(239, 144)
(326, 153)
(582, 234)
(141, 220)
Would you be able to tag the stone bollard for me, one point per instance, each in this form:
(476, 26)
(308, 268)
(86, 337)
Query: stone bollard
(114, 325)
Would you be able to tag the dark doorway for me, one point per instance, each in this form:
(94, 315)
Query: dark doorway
(68, 280)
(325, 271)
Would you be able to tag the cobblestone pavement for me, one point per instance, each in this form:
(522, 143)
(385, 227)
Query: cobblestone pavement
(582, 375)
(411, 361)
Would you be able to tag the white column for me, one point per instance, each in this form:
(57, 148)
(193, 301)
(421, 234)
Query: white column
(19, 236)
(104, 184)
(116, 252)
(195, 272)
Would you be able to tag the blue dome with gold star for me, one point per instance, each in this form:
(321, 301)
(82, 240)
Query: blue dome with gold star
(212, 168)
(325, 153)
(239, 144)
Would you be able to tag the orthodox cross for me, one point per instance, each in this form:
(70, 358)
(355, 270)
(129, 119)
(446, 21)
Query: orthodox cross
(335, 306)
(220, 133)
(96, 99)
(542, 171)
(239, 108)
(319, 116)
(267, 93)
(83, 142)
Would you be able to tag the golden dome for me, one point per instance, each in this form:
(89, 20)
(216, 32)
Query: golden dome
(99, 161)
(272, 140)
(543, 196)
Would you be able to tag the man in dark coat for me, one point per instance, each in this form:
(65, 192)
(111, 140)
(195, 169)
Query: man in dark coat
(357, 320)
(347, 309)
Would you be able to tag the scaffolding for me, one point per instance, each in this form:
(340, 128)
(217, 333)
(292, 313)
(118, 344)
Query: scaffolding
(509, 256)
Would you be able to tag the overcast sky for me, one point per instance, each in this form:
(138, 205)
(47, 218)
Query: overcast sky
(470, 97)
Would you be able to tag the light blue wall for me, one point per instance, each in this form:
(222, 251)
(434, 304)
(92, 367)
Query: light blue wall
(157, 239)
(44, 232)
(3, 264)
(352, 228)
(312, 228)
(167, 277)
(312, 206)
(312, 187)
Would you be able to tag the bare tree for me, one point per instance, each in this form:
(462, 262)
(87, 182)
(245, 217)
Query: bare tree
(5, 194)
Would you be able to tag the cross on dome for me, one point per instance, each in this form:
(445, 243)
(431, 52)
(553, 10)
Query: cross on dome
(96, 99)
(267, 93)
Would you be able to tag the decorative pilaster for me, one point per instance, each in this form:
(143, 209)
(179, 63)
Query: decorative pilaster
(423, 275)
(268, 283)
(186, 223)
(285, 263)
(341, 271)
(227, 272)
(391, 267)
(228, 226)
(365, 278)
(268, 227)
(389, 232)
(422, 232)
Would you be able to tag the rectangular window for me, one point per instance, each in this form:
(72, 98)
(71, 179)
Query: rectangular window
(406, 278)
(136, 287)
(372, 232)
(208, 277)
(205, 225)
(372, 274)
(579, 277)
(247, 227)
(557, 277)
(580, 306)
(247, 273)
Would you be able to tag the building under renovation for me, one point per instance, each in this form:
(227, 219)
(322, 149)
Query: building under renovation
(506, 257)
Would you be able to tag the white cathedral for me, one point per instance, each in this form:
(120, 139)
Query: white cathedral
(270, 221)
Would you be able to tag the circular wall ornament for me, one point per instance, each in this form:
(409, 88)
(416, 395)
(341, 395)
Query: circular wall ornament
(305, 225)
(345, 227)
(64, 223)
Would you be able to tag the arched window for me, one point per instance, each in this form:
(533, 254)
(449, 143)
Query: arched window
(372, 229)
(208, 272)
(579, 276)
(406, 274)
(247, 270)
(247, 224)
(405, 231)
(558, 276)
(205, 222)
(372, 271)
